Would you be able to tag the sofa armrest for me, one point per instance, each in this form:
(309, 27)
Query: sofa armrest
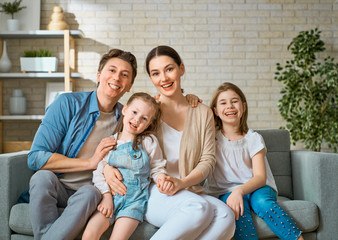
(315, 179)
(14, 179)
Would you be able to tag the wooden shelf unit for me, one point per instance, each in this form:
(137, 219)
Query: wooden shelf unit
(68, 75)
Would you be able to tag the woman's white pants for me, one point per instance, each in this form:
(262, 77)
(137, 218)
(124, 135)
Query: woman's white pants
(189, 216)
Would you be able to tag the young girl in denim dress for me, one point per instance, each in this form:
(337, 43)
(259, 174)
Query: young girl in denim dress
(138, 157)
(242, 177)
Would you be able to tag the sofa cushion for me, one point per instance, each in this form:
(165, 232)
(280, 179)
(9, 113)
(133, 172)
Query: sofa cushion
(19, 219)
(304, 213)
(21, 237)
(19, 222)
(277, 142)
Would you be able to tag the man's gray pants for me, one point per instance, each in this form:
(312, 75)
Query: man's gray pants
(47, 194)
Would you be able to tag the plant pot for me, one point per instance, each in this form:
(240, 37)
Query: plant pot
(38, 64)
(13, 25)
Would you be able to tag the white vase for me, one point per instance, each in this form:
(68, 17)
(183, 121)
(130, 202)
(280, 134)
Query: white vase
(13, 25)
(17, 103)
(5, 62)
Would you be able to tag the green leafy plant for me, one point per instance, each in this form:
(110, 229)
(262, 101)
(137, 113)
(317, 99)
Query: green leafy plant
(38, 53)
(12, 7)
(309, 94)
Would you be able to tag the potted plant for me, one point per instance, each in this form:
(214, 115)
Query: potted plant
(38, 61)
(310, 91)
(11, 8)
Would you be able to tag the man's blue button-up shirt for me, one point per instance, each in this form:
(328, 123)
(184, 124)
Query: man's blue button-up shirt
(66, 126)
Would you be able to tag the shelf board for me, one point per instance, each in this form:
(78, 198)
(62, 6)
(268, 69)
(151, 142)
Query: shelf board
(21, 117)
(39, 34)
(39, 75)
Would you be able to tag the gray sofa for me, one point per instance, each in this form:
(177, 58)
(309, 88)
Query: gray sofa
(308, 178)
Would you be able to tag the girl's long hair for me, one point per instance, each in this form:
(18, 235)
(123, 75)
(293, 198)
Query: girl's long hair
(222, 88)
(155, 121)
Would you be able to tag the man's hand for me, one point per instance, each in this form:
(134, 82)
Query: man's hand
(102, 149)
(113, 179)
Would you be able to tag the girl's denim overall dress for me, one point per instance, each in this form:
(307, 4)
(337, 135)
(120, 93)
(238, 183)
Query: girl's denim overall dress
(134, 166)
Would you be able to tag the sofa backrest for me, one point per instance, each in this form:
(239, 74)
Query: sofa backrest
(277, 142)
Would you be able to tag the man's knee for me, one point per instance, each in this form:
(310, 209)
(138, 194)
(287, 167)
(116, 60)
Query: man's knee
(88, 194)
(89, 191)
(42, 179)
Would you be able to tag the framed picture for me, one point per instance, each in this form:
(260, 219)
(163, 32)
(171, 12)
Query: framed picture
(53, 90)
(29, 17)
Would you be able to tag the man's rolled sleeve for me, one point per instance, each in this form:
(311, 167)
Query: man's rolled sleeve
(50, 133)
(37, 159)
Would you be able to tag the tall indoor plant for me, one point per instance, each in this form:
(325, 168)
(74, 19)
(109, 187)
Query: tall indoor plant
(11, 8)
(309, 94)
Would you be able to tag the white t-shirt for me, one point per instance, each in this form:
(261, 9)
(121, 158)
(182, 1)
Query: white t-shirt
(234, 163)
(152, 148)
(171, 148)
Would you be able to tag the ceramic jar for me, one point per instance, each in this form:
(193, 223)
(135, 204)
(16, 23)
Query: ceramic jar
(17, 103)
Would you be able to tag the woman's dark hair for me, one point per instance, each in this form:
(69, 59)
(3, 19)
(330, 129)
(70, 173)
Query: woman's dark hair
(224, 87)
(117, 53)
(155, 121)
(163, 51)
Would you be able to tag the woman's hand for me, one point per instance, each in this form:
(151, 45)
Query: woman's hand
(113, 179)
(106, 206)
(177, 185)
(163, 185)
(235, 202)
(193, 100)
(102, 149)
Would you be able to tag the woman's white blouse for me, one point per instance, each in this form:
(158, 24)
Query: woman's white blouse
(171, 148)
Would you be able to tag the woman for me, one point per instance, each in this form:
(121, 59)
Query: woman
(187, 138)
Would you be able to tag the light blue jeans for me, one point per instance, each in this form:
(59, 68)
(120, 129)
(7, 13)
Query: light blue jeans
(263, 202)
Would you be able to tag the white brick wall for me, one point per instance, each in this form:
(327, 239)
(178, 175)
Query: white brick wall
(219, 40)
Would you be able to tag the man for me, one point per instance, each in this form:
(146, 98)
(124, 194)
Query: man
(72, 138)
